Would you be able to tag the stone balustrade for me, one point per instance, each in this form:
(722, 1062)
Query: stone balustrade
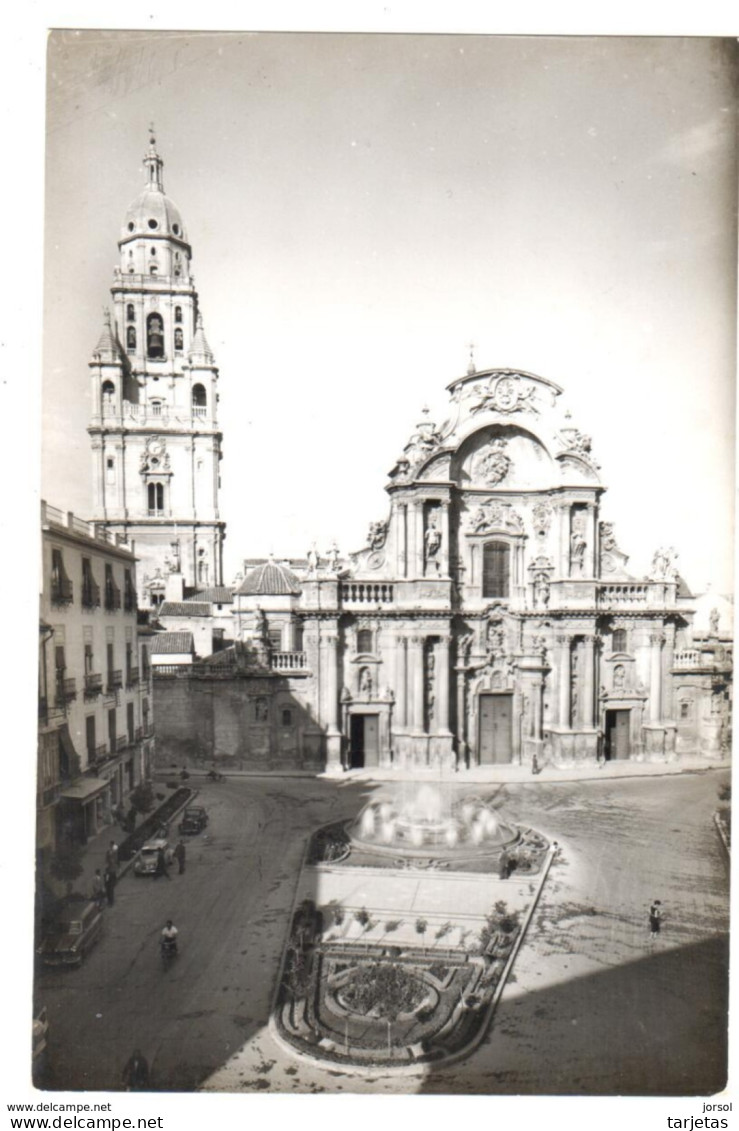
(367, 593)
(289, 661)
(620, 594)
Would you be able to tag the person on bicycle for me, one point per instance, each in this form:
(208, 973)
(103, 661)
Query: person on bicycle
(169, 937)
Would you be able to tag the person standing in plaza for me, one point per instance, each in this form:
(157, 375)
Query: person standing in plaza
(162, 867)
(109, 881)
(111, 857)
(180, 855)
(98, 888)
(655, 918)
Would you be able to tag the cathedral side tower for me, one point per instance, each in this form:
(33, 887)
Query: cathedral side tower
(156, 446)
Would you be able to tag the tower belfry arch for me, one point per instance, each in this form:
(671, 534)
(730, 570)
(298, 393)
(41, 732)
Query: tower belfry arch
(156, 443)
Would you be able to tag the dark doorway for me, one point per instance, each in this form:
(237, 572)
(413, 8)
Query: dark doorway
(496, 729)
(617, 744)
(364, 741)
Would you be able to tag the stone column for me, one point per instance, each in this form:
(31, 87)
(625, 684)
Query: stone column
(564, 540)
(401, 536)
(418, 540)
(564, 681)
(401, 677)
(444, 539)
(588, 682)
(415, 680)
(656, 640)
(442, 685)
(462, 746)
(333, 734)
(588, 569)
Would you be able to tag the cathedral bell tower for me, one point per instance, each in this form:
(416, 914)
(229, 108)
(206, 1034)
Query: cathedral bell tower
(156, 446)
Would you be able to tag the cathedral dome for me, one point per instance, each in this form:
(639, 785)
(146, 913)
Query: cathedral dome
(270, 580)
(153, 214)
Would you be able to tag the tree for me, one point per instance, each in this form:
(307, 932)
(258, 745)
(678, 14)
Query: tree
(66, 863)
(142, 797)
(421, 928)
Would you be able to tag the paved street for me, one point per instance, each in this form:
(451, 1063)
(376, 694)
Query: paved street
(594, 1007)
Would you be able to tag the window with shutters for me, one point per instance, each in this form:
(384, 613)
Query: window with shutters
(496, 569)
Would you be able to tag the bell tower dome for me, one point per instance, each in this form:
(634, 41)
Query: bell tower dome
(154, 430)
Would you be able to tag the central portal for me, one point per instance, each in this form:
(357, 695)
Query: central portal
(364, 739)
(496, 729)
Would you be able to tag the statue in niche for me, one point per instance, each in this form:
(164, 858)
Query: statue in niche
(713, 621)
(542, 516)
(539, 645)
(578, 544)
(261, 637)
(541, 591)
(261, 710)
(619, 677)
(365, 683)
(432, 540)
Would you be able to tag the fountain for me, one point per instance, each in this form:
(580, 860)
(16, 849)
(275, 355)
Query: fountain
(425, 820)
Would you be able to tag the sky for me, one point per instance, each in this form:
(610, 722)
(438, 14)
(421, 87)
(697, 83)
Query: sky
(361, 207)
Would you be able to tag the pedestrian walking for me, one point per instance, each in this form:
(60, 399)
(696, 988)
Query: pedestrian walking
(98, 888)
(179, 855)
(504, 865)
(111, 857)
(162, 867)
(109, 881)
(136, 1072)
(655, 918)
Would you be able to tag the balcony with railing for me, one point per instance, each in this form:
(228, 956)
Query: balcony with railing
(367, 593)
(289, 662)
(90, 594)
(66, 690)
(112, 597)
(62, 591)
(115, 680)
(129, 600)
(132, 677)
(121, 742)
(49, 714)
(93, 685)
(138, 734)
(200, 410)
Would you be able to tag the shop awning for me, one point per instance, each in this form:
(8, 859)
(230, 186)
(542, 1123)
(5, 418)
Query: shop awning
(84, 789)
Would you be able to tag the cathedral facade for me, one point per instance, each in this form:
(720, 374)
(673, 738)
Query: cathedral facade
(490, 619)
(156, 444)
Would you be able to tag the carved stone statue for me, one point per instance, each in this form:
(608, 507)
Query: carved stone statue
(365, 683)
(376, 535)
(578, 544)
(541, 591)
(432, 539)
(663, 565)
(313, 559)
(713, 621)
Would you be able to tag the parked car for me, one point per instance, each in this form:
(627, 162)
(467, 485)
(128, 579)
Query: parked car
(194, 820)
(77, 928)
(146, 861)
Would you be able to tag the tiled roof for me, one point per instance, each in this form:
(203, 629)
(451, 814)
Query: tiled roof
(217, 595)
(184, 609)
(270, 579)
(168, 642)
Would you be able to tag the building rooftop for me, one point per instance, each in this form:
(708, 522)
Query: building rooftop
(168, 643)
(189, 608)
(217, 595)
(270, 579)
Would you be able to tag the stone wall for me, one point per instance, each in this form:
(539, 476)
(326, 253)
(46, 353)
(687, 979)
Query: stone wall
(234, 722)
